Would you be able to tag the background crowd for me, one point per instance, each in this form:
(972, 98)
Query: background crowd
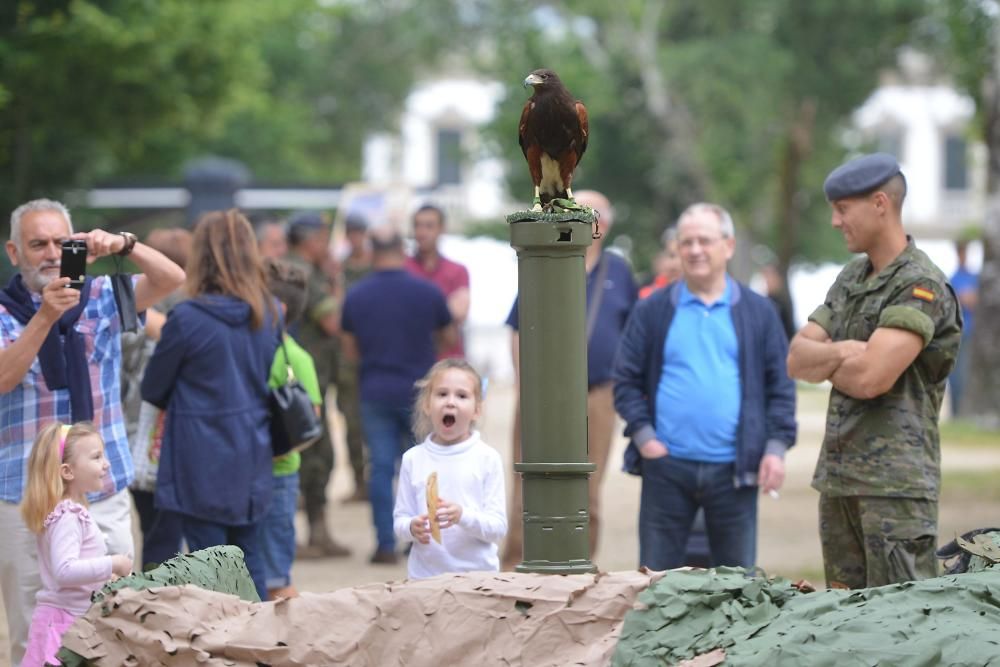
(694, 363)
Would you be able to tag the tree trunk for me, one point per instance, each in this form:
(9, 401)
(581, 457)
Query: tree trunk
(981, 398)
(798, 147)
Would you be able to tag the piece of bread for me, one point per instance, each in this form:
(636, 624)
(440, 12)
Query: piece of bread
(432, 506)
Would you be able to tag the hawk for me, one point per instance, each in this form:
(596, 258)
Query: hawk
(553, 135)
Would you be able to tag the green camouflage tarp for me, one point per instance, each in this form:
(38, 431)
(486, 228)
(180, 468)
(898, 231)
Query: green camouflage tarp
(951, 620)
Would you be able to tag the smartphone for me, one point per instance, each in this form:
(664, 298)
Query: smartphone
(74, 262)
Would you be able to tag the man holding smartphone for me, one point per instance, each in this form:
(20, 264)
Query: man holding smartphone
(60, 359)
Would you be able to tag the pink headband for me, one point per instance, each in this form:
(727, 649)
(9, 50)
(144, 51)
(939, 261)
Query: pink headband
(63, 432)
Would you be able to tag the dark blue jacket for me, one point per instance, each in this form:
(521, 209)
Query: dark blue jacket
(209, 371)
(767, 406)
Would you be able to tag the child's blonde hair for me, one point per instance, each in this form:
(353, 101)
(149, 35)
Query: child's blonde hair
(422, 426)
(44, 487)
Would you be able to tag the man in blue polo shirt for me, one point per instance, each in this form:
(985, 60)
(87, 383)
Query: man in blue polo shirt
(701, 383)
(394, 323)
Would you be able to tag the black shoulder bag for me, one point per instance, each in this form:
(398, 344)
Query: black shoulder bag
(294, 422)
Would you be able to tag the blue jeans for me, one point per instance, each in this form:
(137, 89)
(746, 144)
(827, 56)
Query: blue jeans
(387, 432)
(201, 534)
(672, 491)
(956, 381)
(277, 532)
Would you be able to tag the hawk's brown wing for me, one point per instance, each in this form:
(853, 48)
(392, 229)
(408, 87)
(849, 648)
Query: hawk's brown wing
(521, 126)
(581, 113)
(532, 151)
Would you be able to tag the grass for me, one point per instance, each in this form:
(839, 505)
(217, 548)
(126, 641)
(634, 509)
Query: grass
(964, 433)
(970, 485)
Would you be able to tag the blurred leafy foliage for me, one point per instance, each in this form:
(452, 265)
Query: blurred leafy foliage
(130, 90)
(965, 35)
(742, 103)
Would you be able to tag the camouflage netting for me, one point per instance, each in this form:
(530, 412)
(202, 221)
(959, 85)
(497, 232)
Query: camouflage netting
(220, 569)
(951, 620)
(626, 618)
(469, 619)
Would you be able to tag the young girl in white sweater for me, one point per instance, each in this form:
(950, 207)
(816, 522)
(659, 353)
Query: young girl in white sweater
(471, 508)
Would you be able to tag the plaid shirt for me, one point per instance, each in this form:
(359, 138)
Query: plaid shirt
(31, 406)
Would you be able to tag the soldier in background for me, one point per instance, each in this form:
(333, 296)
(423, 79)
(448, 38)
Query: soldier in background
(354, 266)
(272, 241)
(886, 338)
(317, 332)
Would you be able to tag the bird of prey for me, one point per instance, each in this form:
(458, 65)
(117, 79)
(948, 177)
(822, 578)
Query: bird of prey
(553, 136)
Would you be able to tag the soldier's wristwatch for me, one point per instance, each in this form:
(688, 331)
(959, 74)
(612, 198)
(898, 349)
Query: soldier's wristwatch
(130, 240)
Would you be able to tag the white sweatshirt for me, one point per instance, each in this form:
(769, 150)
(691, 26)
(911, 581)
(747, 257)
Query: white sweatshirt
(470, 473)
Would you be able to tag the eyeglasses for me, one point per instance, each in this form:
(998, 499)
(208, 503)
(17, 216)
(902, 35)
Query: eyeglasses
(703, 241)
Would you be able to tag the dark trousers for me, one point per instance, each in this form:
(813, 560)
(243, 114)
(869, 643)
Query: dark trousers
(349, 404)
(201, 534)
(875, 541)
(314, 473)
(161, 531)
(672, 491)
(388, 434)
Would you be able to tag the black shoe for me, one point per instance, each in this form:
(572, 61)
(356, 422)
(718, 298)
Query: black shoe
(381, 557)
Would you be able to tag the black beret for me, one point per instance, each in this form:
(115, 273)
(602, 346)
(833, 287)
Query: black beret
(303, 225)
(304, 220)
(860, 176)
(356, 222)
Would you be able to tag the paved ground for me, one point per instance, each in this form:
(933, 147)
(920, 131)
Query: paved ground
(788, 540)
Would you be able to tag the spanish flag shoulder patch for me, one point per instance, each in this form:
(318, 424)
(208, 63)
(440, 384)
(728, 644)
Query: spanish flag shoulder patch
(922, 293)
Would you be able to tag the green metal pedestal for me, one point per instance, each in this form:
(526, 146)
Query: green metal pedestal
(553, 383)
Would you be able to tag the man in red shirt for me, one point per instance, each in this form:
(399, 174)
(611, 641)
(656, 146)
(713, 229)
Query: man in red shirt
(451, 277)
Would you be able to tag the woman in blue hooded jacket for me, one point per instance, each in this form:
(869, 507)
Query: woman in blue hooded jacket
(209, 372)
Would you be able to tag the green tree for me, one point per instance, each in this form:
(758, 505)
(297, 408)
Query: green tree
(130, 89)
(86, 82)
(330, 74)
(966, 34)
(742, 103)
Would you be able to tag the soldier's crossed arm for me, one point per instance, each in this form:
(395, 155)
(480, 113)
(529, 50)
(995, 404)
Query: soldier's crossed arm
(872, 373)
(905, 326)
(813, 357)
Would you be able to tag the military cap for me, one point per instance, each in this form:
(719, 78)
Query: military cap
(860, 176)
(306, 220)
(303, 225)
(356, 222)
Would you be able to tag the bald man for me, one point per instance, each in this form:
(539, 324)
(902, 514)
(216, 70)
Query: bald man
(611, 293)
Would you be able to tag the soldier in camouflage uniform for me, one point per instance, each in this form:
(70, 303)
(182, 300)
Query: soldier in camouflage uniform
(354, 267)
(886, 337)
(309, 238)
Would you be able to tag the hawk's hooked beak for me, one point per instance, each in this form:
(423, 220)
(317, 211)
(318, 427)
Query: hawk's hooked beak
(532, 80)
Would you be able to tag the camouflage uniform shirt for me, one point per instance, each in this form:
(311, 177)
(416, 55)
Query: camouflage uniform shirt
(889, 445)
(320, 302)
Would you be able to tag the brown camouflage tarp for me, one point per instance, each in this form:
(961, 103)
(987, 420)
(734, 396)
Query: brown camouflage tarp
(468, 619)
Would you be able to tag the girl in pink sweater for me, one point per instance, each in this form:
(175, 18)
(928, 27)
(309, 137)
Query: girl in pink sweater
(66, 463)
